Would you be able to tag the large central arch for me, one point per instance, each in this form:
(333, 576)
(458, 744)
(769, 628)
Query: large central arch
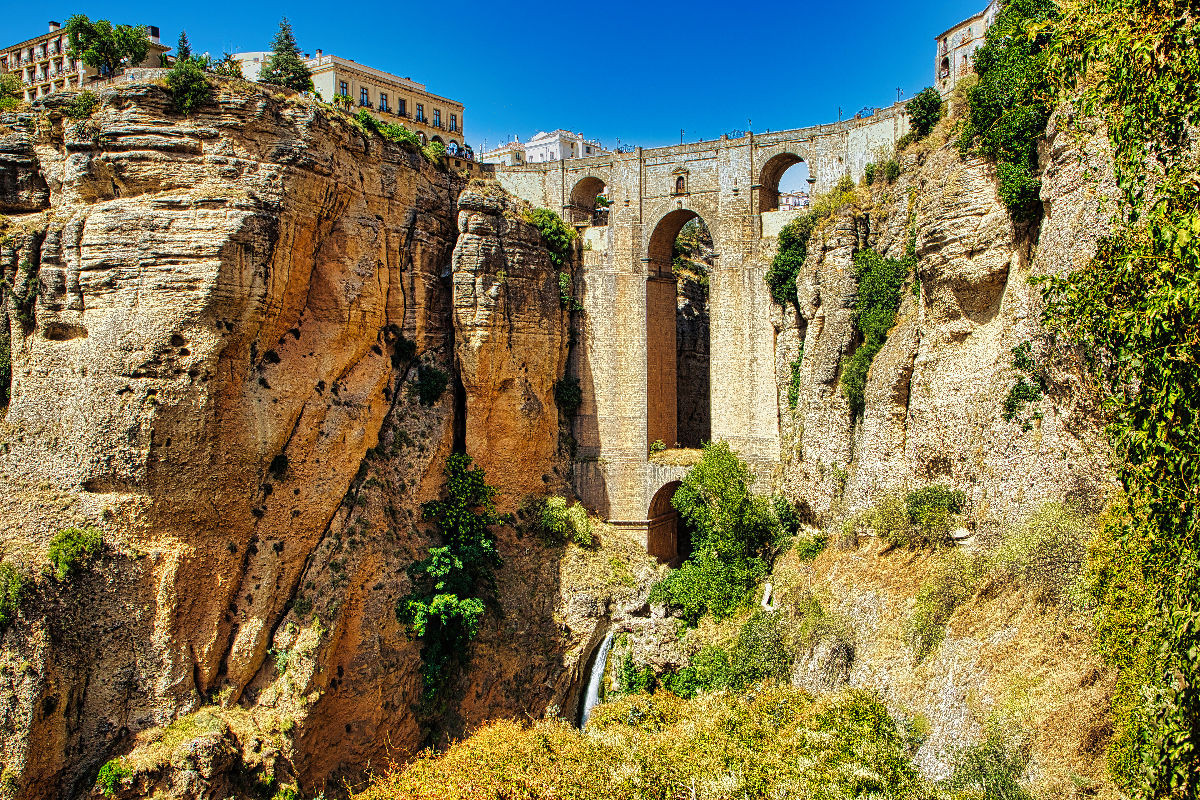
(677, 344)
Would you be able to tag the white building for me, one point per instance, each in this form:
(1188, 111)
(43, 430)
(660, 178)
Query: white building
(559, 145)
(511, 154)
(790, 201)
(957, 46)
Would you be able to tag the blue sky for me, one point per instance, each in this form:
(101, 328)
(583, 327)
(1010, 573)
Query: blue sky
(613, 71)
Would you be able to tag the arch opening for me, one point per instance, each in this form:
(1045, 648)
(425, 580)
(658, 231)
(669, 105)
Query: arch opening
(668, 535)
(681, 257)
(438, 139)
(785, 181)
(588, 202)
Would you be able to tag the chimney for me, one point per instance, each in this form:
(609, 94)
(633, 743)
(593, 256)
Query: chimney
(153, 32)
(54, 26)
(318, 55)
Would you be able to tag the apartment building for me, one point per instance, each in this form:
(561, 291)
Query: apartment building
(43, 65)
(511, 154)
(389, 97)
(957, 46)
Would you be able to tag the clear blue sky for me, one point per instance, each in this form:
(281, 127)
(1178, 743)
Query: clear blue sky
(628, 71)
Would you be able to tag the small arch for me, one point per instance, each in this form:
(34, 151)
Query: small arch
(439, 140)
(660, 251)
(582, 208)
(668, 537)
(771, 176)
(680, 185)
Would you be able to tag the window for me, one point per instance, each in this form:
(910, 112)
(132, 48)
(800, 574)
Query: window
(343, 89)
(680, 185)
(454, 122)
(364, 96)
(587, 149)
(401, 106)
(420, 112)
(437, 118)
(383, 106)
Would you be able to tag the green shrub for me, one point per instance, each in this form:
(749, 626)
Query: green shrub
(568, 395)
(556, 234)
(81, 105)
(793, 394)
(879, 282)
(953, 583)
(562, 523)
(634, 679)
(891, 522)
(734, 536)
(189, 86)
(451, 584)
(12, 590)
(1048, 552)
(1029, 388)
(891, 170)
(111, 776)
(435, 152)
(809, 547)
(1008, 108)
(761, 652)
(71, 549)
(431, 382)
(869, 172)
(924, 111)
(709, 671)
(11, 91)
(657, 446)
(789, 258)
(991, 769)
(931, 511)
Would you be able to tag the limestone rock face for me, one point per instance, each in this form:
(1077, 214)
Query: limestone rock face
(511, 343)
(935, 392)
(217, 324)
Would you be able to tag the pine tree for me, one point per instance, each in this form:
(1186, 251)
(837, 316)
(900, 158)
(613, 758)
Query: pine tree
(284, 67)
(183, 50)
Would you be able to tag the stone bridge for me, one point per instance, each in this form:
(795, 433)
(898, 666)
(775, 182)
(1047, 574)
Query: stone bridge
(627, 361)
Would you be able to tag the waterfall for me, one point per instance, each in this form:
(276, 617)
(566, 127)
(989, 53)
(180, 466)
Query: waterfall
(592, 696)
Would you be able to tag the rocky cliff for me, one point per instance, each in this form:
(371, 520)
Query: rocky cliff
(243, 343)
(935, 394)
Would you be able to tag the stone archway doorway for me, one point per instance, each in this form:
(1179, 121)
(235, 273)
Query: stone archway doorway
(668, 536)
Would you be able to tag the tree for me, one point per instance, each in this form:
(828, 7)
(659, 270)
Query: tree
(183, 49)
(106, 47)
(10, 91)
(228, 67)
(284, 67)
(924, 111)
(189, 87)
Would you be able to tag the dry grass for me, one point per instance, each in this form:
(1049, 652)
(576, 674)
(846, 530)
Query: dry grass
(678, 456)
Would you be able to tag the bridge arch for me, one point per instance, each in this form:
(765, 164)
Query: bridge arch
(770, 176)
(582, 201)
(668, 537)
(678, 411)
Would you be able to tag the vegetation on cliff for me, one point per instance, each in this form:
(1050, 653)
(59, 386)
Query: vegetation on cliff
(284, 66)
(1009, 106)
(451, 585)
(734, 535)
(878, 299)
(105, 47)
(1135, 308)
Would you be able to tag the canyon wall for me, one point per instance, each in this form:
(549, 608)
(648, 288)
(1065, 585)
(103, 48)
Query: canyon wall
(935, 394)
(230, 333)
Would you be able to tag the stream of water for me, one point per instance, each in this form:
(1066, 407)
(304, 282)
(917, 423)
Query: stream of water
(592, 696)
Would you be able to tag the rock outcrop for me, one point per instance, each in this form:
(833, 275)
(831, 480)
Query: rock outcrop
(934, 410)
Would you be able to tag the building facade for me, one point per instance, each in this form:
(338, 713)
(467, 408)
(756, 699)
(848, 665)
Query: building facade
(44, 66)
(956, 47)
(560, 145)
(511, 154)
(389, 97)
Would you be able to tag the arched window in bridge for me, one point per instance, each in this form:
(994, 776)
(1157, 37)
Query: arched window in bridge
(680, 185)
